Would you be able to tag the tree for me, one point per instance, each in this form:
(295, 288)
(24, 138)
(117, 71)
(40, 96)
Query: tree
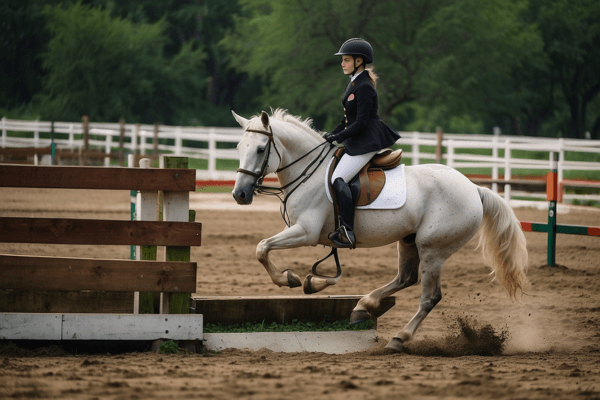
(203, 23)
(109, 68)
(23, 37)
(571, 32)
(456, 53)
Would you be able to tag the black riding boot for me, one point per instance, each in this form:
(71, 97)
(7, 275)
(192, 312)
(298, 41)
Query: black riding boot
(344, 235)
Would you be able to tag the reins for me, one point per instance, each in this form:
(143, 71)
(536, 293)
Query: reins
(279, 191)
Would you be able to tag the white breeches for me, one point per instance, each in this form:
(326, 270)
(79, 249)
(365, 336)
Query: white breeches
(349, 166)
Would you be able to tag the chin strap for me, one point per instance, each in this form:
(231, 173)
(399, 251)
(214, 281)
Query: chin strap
(355, 67)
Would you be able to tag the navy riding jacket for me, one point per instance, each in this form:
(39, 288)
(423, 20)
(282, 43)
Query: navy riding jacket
(361, 130)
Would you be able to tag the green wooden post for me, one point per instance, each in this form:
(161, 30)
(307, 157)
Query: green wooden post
(179, 303)
(552, 187)
(132, 200)
(552, 234)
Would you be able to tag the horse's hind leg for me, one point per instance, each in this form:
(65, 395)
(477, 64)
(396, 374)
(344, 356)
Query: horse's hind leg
(408, 275)
(431, 294)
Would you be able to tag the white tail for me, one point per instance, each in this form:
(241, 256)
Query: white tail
(503, 243)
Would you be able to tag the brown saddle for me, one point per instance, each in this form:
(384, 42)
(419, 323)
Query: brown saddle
(372, 175)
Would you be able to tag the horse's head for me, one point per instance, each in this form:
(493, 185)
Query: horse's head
(258, 156)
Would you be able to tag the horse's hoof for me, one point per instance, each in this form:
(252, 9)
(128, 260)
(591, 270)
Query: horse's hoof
(293, 279)
(307, 286)
(395, 346)
(359, 316)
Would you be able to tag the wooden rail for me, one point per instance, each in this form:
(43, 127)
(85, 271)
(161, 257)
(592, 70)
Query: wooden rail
(25, 151)
(67, 177)
(516, 184)
(53, 273)
(99, 232)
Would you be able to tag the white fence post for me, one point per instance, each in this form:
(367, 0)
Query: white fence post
(507, 172)
(3, 132)
(107, 150)
(212, 159)
(178, 141)
(142, 135)
(36, 134)
(415, 149)
(561, 160)
(495, 165)
(134, 138)
(450, 154)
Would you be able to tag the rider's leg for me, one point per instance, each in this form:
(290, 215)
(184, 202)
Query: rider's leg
(348, 167)
(344, 235)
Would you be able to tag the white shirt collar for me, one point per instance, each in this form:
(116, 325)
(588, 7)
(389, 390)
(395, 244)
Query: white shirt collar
(355, 75)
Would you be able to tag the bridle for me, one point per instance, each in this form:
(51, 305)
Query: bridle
(261, 175)
(279, 191)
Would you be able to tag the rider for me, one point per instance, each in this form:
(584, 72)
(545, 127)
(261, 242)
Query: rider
(361, 132)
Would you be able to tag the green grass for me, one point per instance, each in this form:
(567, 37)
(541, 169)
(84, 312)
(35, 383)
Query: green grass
(168, 347)
(294, 326)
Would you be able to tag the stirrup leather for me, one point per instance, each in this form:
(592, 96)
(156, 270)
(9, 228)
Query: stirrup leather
(342, 237)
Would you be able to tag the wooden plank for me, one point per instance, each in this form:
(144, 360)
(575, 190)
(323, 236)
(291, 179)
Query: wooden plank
(25, 151)
(30, 326)
(53, 301)
(100, 327)
(67, 154)
(99, 232)
(117, 178)
(281, 309)
(50, 273)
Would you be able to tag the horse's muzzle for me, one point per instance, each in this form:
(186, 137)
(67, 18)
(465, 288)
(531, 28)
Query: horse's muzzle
(243, 196)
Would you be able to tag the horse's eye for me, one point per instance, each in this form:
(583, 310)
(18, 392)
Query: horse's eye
(260, 150)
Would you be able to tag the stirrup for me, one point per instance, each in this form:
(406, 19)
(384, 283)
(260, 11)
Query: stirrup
(343, 238)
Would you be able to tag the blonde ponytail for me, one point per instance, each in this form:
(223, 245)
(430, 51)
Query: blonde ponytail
(373, 77)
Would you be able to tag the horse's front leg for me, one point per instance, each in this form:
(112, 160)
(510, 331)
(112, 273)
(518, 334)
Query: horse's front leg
(295, 236)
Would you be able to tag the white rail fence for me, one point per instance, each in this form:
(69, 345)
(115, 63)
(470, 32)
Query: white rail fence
(207, 143)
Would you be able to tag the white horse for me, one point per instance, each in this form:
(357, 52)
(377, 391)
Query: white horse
(443, 211)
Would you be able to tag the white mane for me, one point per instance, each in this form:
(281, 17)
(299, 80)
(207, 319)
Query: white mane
(282, 115)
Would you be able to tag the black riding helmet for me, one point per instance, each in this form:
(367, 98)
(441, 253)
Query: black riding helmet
(357, 47)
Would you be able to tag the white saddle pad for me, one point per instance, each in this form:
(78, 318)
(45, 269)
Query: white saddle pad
(393, 194)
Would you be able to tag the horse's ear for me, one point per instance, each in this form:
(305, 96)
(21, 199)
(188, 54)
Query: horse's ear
(240, 120)
(264, 118)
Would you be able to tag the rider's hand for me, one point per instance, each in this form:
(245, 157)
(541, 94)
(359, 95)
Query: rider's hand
(330, 137)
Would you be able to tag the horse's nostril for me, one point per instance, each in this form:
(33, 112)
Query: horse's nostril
(243, 195)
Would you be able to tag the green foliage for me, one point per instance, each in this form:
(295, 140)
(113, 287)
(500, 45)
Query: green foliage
(527, 66)
(168, 347)
(457, 53)
(23, 37)
(108, 68)
(294, 326)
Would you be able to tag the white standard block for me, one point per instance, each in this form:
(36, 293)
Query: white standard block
(14, 326)
(295, 342)
(131, 327)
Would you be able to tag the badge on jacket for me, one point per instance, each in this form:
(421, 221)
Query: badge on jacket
(351, 97)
